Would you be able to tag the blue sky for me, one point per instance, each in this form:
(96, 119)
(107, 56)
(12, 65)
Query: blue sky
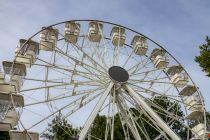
(180, 26)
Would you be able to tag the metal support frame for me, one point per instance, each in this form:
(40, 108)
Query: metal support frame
(140, 101)
(128, 119)
(94, 113)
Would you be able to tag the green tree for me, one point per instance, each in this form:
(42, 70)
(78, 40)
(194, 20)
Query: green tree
(99, 127)
(204, 58)
(60, 130)
(4, 135)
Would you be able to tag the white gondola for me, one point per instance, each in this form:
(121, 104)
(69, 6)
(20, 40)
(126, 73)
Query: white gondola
(72, 31)
(172, 70)
(193, 103)
(179, 79)
(159, 58)
(161, 62)
(20, 135)
(27, 54)
(7, 100)
(199, 130)
(118, 36)
(7, 88)
(18, 70)
(48, 39)
(11, 118)
(195, 115)
(140, 45)
(2, 76)
(95, 31)
(14, 68)
(188, 90)
(5, 127)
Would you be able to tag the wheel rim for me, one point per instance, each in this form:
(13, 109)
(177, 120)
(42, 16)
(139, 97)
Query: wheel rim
(89, 63)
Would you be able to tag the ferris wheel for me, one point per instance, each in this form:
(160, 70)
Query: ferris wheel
(82, 68)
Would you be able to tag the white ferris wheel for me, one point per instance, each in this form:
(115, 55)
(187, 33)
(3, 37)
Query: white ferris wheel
(82, 68)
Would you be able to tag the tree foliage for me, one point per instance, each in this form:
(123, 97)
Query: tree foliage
(204, 58)
(99, 127)
(60, 129)
(4, 135)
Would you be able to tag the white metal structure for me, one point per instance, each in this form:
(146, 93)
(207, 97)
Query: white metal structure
(91, 69)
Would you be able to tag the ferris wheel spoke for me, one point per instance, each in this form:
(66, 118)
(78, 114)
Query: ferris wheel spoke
(75, 109)
(42, 80)
(45, 118)
(166, 111)
(70, 71)
(94, 113)
(95, 63)
(63, 96)
(76, 103)
(113, 112)
(75, 60)
(154, 125)
(127, 117)
(93, 73)
(128, 58)
(79, 62)
(150, 81)
(104, 51)
(53, 66)
(89, 83)
(90, 69)
(136, 66)
(108, 119)
(90, 76)
(155, 76)
(157, 118)
(44, 87)
(95, 52)
(153, 92)
(114, 56)
(123, 125)
(141, 112)
(146, 72)
(142, 128)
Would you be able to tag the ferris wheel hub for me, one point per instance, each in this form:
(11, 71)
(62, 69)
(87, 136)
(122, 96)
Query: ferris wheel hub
(118, 74)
